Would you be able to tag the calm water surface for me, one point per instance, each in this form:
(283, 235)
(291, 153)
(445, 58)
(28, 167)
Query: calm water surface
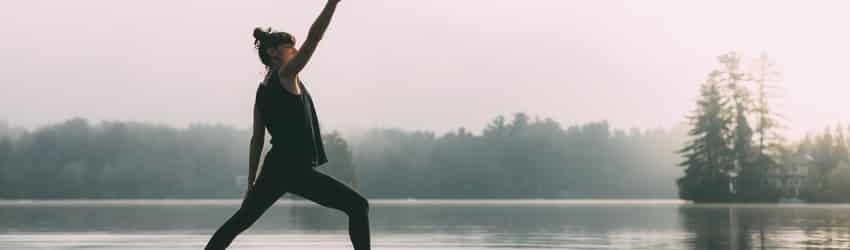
(428, 224)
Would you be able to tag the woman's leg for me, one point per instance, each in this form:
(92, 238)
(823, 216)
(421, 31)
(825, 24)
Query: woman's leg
(330, 192)
(256, 202)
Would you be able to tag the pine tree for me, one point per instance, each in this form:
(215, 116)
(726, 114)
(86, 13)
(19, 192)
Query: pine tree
(749, 184)
(707, 154)
(749, 175)
(769, 143)
(769, 140)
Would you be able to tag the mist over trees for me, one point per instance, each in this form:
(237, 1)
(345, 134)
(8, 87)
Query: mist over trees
(519, 158)
(722, 161)
(729, 160)
(75, 159)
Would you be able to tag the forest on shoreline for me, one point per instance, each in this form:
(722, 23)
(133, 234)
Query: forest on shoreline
(730, 149)
(515, 157)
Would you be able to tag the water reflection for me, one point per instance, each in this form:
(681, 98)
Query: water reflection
(766, 226)
(431, 224)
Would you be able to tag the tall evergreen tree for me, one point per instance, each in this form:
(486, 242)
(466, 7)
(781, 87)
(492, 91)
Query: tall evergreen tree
(708, 154)
(750, 181)
(767, 120)
(753, 180)
(732, 78)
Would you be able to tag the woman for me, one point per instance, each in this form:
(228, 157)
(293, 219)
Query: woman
(284, 107)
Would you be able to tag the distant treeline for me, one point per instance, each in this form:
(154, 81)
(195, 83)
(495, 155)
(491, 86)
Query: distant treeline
(77, 159)
(520, 158)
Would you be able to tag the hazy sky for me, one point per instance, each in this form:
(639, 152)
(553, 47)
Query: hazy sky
(435, 64)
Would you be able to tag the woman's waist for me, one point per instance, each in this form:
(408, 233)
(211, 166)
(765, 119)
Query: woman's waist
(289, 151)
(292, 138)
(292, 154)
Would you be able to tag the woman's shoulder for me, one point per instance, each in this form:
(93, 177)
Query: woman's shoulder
(263, 87)
(267, 79)
(267, 82)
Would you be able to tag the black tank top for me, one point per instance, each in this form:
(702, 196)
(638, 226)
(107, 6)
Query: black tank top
(291, 120)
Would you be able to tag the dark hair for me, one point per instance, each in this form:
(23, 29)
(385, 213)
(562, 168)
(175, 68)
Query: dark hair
(264, 39)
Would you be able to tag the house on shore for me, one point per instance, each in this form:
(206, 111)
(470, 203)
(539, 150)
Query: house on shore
(789, 176)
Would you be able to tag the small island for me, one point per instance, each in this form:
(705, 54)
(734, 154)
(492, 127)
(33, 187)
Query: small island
(736, 154)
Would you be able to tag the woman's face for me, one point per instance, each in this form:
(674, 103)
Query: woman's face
(285, 52)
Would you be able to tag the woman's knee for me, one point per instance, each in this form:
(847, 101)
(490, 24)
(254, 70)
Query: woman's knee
(359, 205)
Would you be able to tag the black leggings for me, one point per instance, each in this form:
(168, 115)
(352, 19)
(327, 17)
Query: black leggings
(308, 183)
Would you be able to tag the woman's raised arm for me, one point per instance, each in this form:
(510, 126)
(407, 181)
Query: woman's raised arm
(317, 30)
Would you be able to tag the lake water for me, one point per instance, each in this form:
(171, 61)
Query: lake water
(428, 224)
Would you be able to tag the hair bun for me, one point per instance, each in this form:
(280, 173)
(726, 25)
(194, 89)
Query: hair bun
(260, 34)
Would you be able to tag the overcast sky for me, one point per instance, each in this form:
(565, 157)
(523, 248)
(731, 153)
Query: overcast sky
(435, 64)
